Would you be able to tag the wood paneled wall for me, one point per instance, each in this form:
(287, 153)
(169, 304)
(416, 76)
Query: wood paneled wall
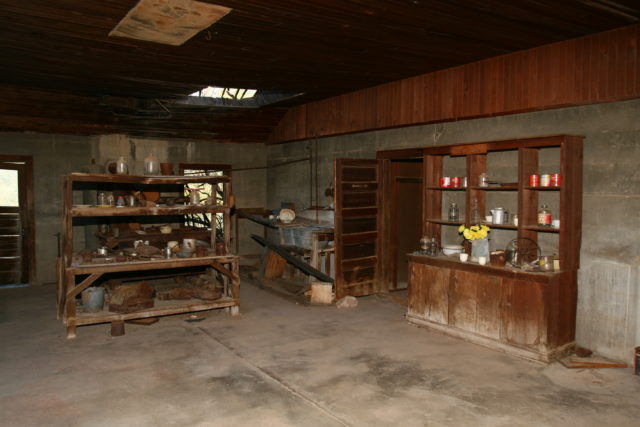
(603, 67)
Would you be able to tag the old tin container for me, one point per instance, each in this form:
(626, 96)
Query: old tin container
(455, 181)
(555, 180)
(534, 180)
(545, 180)
(445, 182)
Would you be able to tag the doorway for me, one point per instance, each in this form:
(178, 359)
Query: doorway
(402, 211)
(17, 239)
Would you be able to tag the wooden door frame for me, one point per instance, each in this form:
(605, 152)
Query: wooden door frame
(387, 242)
(24, 166)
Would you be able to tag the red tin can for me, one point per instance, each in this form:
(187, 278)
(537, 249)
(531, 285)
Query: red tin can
(534, 180)
(555, 180)
(445, 182)
(455, 181)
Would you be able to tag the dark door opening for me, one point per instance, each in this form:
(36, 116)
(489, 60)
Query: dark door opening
(17, 240)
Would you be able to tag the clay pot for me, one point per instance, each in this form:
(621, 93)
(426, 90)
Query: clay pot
(166, 169)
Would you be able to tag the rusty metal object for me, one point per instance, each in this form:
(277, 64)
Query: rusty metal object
(129, 298)
(176, 293)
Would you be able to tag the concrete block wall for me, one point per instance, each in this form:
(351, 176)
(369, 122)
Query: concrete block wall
(609, 299)
(56, 155)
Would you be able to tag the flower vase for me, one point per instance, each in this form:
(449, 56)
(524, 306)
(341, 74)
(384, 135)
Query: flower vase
(479, 247)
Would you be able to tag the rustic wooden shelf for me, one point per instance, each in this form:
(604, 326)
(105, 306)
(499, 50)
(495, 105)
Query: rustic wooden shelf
(496, 306)
(72, 279)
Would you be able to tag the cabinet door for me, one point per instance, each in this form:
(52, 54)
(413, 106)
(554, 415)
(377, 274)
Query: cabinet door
(523, 313)
(475, 304)
(429, 292)
(356, 226)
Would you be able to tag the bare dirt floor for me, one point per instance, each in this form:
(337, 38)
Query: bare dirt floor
(284, 364)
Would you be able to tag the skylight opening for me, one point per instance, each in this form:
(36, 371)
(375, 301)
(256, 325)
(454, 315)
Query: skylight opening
(224, 93)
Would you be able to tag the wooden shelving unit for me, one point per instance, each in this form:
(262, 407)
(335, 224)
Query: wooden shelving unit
(530, 314)
(74, 277)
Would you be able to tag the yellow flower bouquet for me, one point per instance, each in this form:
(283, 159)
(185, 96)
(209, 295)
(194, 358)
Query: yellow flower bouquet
(474, 232)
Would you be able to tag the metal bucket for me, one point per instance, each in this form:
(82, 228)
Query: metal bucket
(93, 299)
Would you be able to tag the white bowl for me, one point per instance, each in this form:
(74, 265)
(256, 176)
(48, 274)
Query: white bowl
(452, 249)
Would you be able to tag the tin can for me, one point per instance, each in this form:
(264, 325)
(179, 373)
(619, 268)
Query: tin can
(455, 181)
(534, 180)
(445, 182)
(636, 365)
(545, 180)
(555, 180)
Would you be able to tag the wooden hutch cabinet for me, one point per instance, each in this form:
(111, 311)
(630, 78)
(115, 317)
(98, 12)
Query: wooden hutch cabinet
(75, 274)
(530, 314)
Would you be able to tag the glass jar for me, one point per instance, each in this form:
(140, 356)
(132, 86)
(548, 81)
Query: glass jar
(102, 198)
(454, 212)
(484, 180)
(424, 245)
(544, 216)
(151, 165)
(121, 166)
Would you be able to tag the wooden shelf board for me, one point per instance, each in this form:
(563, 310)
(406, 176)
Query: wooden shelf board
(143, 179)
(161, 308)
(500, 226)
(543, 188)
(447, 188)
(445, 222)
(145, 211)
(157, 264)
(505, 188)
(540, 228)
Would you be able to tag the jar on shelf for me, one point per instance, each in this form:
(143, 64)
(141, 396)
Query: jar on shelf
(151, 165)
(454, 212)
(544, 216)
(102, 198)
(121, 166)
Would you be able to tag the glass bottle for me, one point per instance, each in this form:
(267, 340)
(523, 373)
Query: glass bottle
(121, 166)
(544, 216)
(454, 212)
(475, 213)
(102, 198)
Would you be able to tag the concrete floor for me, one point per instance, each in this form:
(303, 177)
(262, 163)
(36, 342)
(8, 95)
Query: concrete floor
(284, 364)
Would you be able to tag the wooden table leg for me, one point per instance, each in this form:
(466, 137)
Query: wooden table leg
(235, 286)
(70, 307)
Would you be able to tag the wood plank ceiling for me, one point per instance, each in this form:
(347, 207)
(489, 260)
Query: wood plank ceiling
(61, 73)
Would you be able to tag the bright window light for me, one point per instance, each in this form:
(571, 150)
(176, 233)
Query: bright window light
(225, 92)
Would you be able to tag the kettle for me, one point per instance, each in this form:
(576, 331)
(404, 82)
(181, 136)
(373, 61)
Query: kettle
(500, 215)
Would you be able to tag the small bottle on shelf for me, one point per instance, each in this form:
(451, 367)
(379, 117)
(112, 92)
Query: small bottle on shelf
(454, 212)
(475, 213)
(544, 216)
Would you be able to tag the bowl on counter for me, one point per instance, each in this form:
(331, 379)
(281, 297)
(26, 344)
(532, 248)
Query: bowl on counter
(452, 249)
